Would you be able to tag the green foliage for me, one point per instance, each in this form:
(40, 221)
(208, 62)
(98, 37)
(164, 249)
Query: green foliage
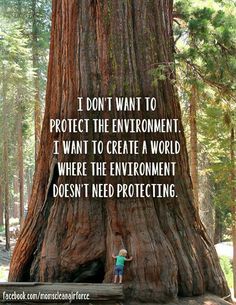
(208, 44)
(16, 75)
(205, 34)
(227, 269)
(161, 73)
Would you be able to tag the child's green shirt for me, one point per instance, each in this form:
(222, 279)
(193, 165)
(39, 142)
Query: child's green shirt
(120, 260)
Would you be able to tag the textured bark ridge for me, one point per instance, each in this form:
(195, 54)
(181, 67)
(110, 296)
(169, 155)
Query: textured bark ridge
(109, 48)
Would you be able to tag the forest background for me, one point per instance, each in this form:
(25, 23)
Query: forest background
(205, 65)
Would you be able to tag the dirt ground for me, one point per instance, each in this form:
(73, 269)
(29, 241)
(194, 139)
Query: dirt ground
(5, 257)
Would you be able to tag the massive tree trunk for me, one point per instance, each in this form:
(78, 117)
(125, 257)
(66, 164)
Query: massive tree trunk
(104, 48)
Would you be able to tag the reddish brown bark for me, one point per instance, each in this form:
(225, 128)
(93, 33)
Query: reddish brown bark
(101, 49)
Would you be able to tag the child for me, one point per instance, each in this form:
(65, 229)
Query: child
(120, 262)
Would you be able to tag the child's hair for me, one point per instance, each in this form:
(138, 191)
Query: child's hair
(123, 252)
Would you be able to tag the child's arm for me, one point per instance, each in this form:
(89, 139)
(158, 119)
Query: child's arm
(129, 259)
(113, 256)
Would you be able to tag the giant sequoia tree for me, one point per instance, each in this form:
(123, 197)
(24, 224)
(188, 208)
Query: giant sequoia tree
(103, 48)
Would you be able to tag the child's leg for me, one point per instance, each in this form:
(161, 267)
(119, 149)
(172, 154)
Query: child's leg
(121, 278)
(115, 278)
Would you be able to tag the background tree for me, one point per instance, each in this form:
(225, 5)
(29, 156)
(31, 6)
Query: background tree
(17, 41)
(5, 157)
(16, 92)
(34, 19)
(1, 203)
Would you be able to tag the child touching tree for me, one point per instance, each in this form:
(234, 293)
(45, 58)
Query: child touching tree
(120, 262)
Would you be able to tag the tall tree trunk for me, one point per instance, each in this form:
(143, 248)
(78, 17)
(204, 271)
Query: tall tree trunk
(37, 106)
(206, 205)
(16, 204)
(233, 200)
(6, 193)
(5, 160)
(20, 163)
(102, 49)
(193, 144)
(218, 236)
(29, 184)
(1, 202)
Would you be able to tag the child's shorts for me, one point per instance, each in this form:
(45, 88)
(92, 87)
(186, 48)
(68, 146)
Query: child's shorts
(119, 270)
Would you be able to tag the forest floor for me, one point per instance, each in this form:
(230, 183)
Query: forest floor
(5, 256)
